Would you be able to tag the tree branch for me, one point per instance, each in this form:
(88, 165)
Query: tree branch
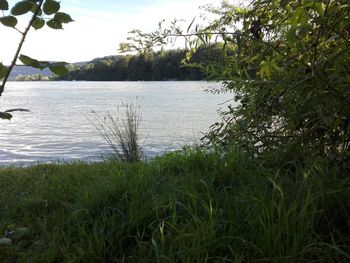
(24, 35)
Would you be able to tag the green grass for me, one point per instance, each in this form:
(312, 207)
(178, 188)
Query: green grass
(189, 206)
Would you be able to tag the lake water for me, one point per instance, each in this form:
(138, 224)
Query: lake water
(173, 114)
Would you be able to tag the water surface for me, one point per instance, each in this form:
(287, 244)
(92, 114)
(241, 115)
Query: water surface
(58, 129)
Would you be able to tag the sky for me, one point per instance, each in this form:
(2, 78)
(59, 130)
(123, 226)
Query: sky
(99, 27)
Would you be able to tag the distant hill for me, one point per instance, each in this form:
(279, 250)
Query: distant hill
(26, 71)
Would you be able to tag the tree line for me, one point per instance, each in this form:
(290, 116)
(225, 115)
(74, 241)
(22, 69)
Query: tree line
(147, 66)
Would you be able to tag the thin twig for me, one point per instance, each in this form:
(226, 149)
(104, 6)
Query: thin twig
(24, 35)
(276, 49)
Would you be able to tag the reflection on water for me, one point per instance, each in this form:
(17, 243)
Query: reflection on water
(173, 114)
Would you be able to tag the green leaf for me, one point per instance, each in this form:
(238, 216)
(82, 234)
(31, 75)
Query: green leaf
(299, 17)
(50, 7)
(9, 21)
(59, 68)
(4, 116)
(38, 23)
(303, 17)
(28, 61)
(295, 17)
(188, 56)
(3, 71)
(52, 23)
(35, 6)
(4, 5)
(5, 241)
(265, 70)
(22, 8)
(318, 7)
(291, 35)
(44, 64)
(63, 17)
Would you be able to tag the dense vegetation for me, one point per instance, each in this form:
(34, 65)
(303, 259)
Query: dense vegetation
(272, 184)
(289, 66)
(162, 65)
(287, 62)
(189, 206)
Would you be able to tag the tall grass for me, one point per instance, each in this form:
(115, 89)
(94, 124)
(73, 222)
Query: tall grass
(121, 132)
(188, 206)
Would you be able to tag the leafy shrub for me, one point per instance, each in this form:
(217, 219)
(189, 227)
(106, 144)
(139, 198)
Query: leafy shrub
(287, 62)
(288, 65)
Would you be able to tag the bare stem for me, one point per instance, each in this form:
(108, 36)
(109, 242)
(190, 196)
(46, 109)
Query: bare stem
(15, 57)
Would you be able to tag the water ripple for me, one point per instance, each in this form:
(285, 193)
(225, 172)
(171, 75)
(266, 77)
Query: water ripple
(57, 128)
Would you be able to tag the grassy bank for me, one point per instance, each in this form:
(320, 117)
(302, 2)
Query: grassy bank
(188, 206)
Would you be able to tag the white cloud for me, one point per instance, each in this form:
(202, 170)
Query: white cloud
(94, 33)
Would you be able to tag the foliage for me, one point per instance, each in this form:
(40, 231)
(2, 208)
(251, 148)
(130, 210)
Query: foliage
(41, 12)
(290, 71)
(288, 65)
(187, 206)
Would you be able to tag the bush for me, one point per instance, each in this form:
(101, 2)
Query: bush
(288, 65)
